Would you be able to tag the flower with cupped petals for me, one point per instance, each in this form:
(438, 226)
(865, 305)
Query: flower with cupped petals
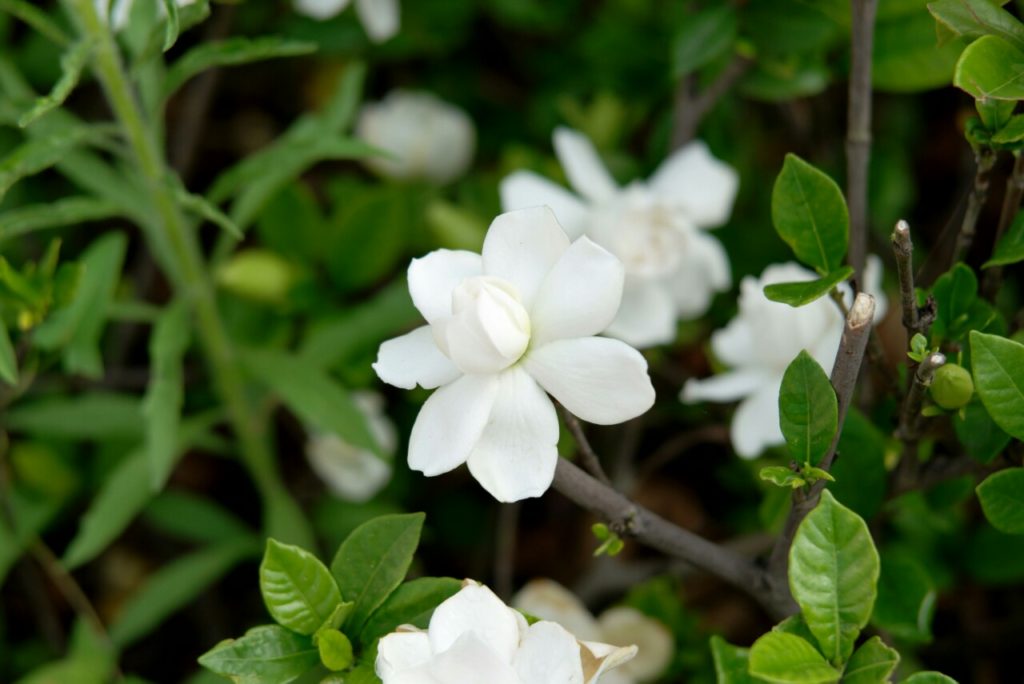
(474, 638)
(117, 11)
(760, 343)
(549, 600)
(502, 328)
(351, 472)
(656, 227)
(380, 18)
(428, 138)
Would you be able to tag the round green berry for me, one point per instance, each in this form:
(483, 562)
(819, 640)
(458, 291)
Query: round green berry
(952, 387)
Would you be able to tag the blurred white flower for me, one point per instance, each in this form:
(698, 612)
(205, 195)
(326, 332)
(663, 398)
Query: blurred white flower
(350, 472)
(118, 11)
(760, 343)
(656, 227)
(429, 138)
(474, 638)
(549, 600)
(380, 18)
(503, 327)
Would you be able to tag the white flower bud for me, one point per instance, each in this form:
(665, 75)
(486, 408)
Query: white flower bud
(489, 329)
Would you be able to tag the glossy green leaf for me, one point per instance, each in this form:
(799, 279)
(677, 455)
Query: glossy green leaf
(703, 38)
(833, 575)
(269, 653)
(958, 309)
(998, 368)
(929, 678)
(175, 585)
(8, 359)
(1002, 500)
(1010, 248)
(977, 18)
(906, 598)
(72, 63)
(872, 663)
(990, 67)
(731, 662)
(982, 438)
(230, 52)
(808, 410)
(63, 212)
(411, 603)
(801, 293)
(810, 215)
(788, 659)
(165, 394)
(96, 416)
(373, 561)
(796, 625)
(297, 588)
(1011, 132)
(335, 649)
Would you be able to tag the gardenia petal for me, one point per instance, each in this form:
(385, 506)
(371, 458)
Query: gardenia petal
(583, 166)
(580, 296)
(320, 9)
(647, 316)
(549, 654)
(471, 659)
(728, 386)
(704, 271)
(475, 610)
(755, 425)
(524, 189)
(380, 18)
(655, 645)
(450, 424)
(599, 658)
(521, 247)
(600, 380)
(351, 473)
(414, 359)
(549, 600)
(694, 180)
(516, 455)
(433, 278)
(400, 651)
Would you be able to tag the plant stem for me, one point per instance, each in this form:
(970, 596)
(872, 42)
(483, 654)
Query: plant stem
(985, 159)
(915, 320)
(849, 358)
(858, 129)
(176, 243)
(1011, 204)
(588, 457)
(690, 110)
(910, 415)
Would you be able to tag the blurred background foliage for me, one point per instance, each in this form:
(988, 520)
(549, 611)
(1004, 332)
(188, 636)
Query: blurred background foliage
(318, 282)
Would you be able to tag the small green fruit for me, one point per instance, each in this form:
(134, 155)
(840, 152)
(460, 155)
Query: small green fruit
(952, 387)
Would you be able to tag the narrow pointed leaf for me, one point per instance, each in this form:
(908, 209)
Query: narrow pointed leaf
(72, 63)
(173, 24)
(63, 212)
(230, 52)
(8, 359)
(165, 394)
(297, 588)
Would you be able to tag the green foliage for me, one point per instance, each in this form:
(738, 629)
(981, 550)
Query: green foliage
(981, 437)
(799, 294)
(229, 52)
(1010, 249)
(410, 604)
(974, 19)
(298, 590)
(1002, 499)
(165, 395)
(906, 598)
(872, 663)
(809, 214)
(808, 410)
(731, 662)
(991, 68)
(959, 310)
(998, 367)
(72, 63)
(267, 653)
(782, 657)
(703, 38)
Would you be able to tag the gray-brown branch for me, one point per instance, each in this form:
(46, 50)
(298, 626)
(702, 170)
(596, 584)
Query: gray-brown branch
(690, 110)
(915, 319)
(858, 129)
(985, 159)
(1011, 204)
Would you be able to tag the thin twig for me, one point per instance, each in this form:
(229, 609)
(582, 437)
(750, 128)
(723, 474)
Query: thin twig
(858, 129)
(690, 110)
(985, 159)
(849, 358)
(1011, 204)
(910, 415)
(916, 320)
(586, 452)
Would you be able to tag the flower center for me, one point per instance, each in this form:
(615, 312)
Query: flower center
(489, 329)
(648, 236)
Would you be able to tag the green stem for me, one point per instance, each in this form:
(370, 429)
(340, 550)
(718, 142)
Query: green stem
(176, 243)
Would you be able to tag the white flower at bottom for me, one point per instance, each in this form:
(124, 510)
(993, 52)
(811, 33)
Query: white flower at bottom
(549, 600)
(430, 139)
(474, 638)
(380, 18)
(502, 328)
(760, 343)
(355, 473)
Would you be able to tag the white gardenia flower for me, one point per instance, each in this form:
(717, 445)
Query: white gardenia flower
(380, 18)
(118, 11)
(474, 638)
(429, 138)
(760, 343)
(656, 227)
(351, 472)
(549, 600)
(502, 328)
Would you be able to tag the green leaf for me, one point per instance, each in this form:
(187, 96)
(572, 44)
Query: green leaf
(991, 68)
(782, 476)
(833, 573)
(808, 410)
(37, 19)
(788, 659)
(801, 293)
(977, 18)
(905, 55)
(8, 359)
(72, 62)
(929, 678)
(297, 588)
(982, 438)
(32, 515)
(958, 308)
(411, 603)
(335, 649)
(312, 395)
(998, 367)
(861, 477)
(269, 653)
(98, 416)
(38, 154)
(1002, 500)
(193, 518)
(906, 598)
(205, 209)
(373, 561)
(172, 25)
(810, 215)
(161, 408)
(1010, 248)
(63, 212)
(175, 585)
(1011, 132)
(872, 663)
(703, 38)
(232, 51)
(77, 327)
(731, 662)
(796, 625)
